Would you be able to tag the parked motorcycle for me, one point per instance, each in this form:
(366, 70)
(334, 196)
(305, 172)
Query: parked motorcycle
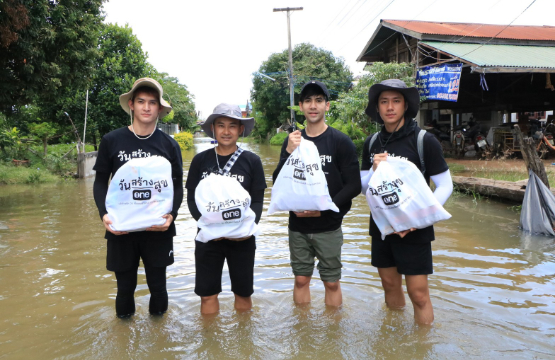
(458, 142)
(481, 145)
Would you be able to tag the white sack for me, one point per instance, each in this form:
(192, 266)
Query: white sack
(301, 184)
(140, 193)
(225, 208)
(400, 199)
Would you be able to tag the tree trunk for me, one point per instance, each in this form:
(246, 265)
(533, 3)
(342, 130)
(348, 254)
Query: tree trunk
(530, 156)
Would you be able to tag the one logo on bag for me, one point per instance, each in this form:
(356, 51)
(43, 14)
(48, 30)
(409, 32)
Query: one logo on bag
(300, 167)
(387, 191)
(231, 214)
(299, 174)
(390, 199)
(142, 194)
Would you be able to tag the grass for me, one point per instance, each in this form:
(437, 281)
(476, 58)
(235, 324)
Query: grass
(512, 174)
(10, 174)
(60, 163)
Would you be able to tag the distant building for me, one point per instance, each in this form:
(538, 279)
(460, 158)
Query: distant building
(505, 69)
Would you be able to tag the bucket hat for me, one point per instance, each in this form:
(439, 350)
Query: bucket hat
(314, 83)
(228, 111)
(412, 97)
(124, 99)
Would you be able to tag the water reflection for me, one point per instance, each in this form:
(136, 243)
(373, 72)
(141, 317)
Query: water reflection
(493, 289)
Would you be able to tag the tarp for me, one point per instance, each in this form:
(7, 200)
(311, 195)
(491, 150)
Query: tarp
(538, 208)
(439, 82)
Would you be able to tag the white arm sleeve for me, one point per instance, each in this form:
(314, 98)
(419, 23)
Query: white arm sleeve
(444, 186)
(365, 176)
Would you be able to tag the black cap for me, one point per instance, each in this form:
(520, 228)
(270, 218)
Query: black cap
(314, 83)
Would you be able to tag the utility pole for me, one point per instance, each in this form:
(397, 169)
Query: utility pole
(291, 84)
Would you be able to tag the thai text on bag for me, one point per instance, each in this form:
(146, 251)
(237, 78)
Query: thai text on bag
(140, 193)
(225, 209)
(400, 199)
(301, 184)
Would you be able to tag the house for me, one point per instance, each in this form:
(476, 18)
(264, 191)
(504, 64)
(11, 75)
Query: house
(505, 68)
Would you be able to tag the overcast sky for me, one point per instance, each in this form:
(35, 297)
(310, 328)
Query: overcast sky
(214, 47)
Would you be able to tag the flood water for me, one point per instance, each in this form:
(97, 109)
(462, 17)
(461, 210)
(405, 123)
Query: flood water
(493, 289)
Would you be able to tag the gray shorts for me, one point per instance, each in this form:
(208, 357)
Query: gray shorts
(325, 246)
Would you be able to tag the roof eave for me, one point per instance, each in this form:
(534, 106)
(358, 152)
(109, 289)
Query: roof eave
(509, 70)
(360, 57)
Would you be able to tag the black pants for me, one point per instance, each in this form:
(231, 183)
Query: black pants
(127, 282)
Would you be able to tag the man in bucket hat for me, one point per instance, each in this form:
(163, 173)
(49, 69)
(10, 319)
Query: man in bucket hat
(225, 125)
(317, 234)
(408, 252)
(145, 105)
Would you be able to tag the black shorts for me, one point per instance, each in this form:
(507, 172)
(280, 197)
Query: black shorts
(124, 253)
(209, 263)
(410, 258)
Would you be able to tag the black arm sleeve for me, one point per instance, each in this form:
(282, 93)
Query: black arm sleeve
(191, 203)
(257, 202)
(282, 159)
(366, 164)
(350, 175)
(100, 190)
(177, 194)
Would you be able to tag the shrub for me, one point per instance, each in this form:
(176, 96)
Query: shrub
(279, 138)
(359, 143)
(184, 139)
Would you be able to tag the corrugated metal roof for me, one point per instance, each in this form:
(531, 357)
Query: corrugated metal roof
(517, 32)
(507, 56)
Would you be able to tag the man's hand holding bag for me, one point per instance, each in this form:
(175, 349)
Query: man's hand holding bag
(400, 199)
(301, 184)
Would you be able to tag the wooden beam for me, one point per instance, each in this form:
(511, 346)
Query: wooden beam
(530, 155)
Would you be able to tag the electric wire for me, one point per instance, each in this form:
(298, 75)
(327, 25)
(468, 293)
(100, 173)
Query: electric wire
(494, 36)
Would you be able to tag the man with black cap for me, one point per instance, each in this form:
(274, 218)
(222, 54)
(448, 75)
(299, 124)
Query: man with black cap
(225, 125)
(141, 139)
(408, 252)
(318, 233)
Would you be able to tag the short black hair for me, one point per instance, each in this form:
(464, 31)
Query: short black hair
(146, 90)
(311, 91)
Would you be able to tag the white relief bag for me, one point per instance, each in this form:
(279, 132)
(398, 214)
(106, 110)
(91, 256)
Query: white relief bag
(140, 193)
(301, 184)
(225, 208)
(399, 198)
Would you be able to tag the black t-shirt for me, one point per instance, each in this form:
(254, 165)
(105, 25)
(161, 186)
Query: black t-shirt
(403, 144)
(247, 170)
(121, 145)
(341, 168)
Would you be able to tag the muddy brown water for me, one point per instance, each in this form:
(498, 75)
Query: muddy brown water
(493, 290)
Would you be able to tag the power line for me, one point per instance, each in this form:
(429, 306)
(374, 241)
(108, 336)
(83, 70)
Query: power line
(361, 2)
(336, 16)
(494, 36)
(338, 29)
(389, 37)
(348, 42)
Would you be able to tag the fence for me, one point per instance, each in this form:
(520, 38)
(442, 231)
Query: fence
(170, 129)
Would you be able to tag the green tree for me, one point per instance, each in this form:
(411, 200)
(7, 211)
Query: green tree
(121, 61)
(46, 46)
(309, 63)
(181, 100)
(347, 112)
(43, 132)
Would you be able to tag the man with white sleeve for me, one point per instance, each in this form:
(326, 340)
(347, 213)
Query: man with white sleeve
(408, 252)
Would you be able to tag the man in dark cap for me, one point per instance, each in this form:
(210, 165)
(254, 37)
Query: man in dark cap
(408, 252)
(318, 233)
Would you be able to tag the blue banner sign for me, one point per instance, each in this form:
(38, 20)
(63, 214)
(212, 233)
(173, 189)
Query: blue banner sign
(440, 82)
